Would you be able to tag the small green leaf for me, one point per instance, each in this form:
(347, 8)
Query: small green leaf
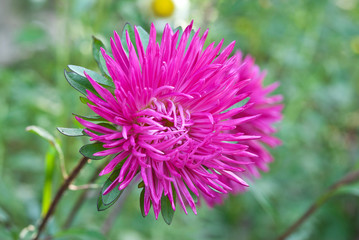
(142, 202)
(237, 105)
(194, 196)
(106, 201)
(179, 35)
(243, 102)
(166, 210)
(51, 139)
(352, 189)
(141, 185)
(96, 52)
(84, 100)
(71, 132)
(144, 37)
(78, 82)
(42, 133)
(103, 65)
(50, 163)
(128, 27)
(90, 118)
(90, 149)
(190, 38)
(94, 75)
(49, 173)
(107, 125)
(96, 47)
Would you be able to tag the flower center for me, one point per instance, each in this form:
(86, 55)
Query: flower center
(162, 128)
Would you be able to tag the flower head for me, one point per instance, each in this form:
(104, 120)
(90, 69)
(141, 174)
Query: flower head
(170, 123)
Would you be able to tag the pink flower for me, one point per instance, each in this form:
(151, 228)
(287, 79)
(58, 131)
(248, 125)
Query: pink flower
(170, 123)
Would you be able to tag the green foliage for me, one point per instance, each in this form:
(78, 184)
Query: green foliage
(50, 159)
(89, 150)
(78, 82)
(71, 132)
(90, 118)
(142, 202)
(144, 37)
(310, 47)
(94, 75)
(127, 29)
(167, 210)
(96, 52)
(105, 201)
(49, 175)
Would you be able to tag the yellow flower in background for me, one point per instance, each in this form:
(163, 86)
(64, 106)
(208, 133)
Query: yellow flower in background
(174, 12)
(163, 8)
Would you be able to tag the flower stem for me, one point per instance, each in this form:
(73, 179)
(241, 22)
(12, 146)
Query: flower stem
(348, 179)
(59, 194)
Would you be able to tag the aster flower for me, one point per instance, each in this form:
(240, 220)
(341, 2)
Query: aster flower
(173, 119)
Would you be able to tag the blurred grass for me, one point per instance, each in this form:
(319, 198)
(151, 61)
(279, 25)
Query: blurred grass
(311, 47)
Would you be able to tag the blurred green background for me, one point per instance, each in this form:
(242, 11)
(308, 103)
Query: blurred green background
(311, 47)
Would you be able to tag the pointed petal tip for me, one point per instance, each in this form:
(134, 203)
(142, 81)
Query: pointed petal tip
(103, 51)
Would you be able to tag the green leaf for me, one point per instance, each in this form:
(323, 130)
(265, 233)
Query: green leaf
(49, 173)
(49, 164)
(106, 201)
(352, 189)
(179, 35)
(128, 27)
(190, 38)
(42, 133)
(194, 196)
(167, 210)
(96, 52)
(94, 75)
(71, 132)
(145, 37)
(108, 125)
(142, 202)
(103, 65)
(141, 185)
(47, 136)
(90, 118)
(84, 100)
(237, 105)
(90, 149)
(96, 47)
(78, 82)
